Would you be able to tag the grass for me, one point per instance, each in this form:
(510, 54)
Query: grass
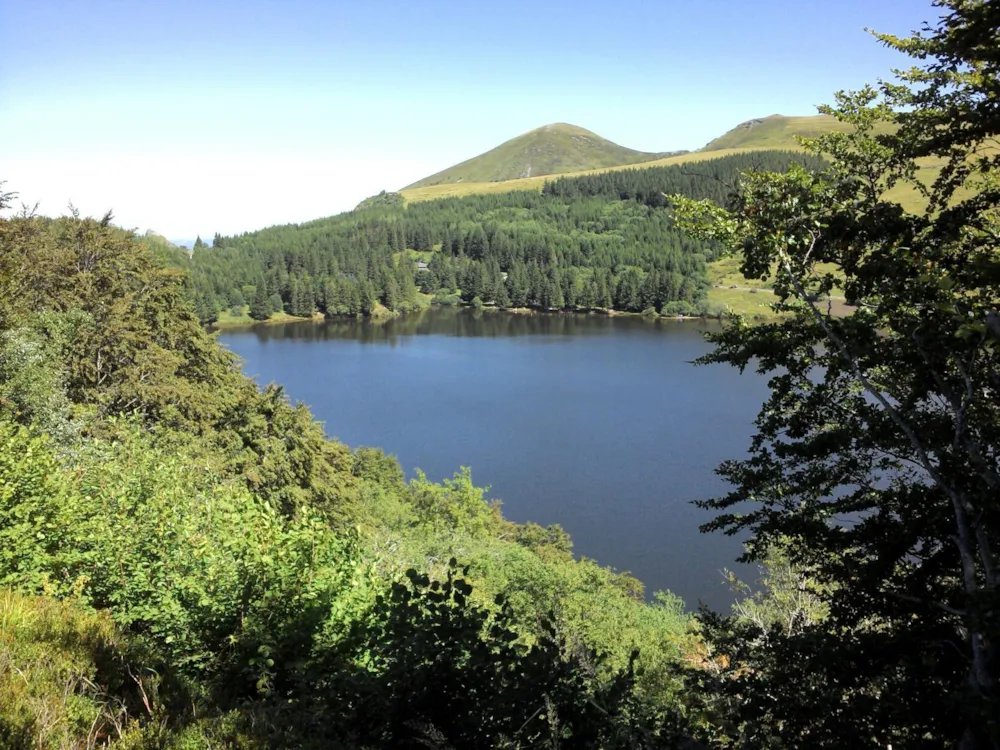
(776, 132)
(725, 272)
(58, 665)
(551, 149)
(432, 192)
(228, 320)
(742, 302)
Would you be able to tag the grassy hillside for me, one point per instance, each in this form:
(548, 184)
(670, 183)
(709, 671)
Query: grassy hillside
(551, 149)
(768, 133)
(416, 194)
(775, 131)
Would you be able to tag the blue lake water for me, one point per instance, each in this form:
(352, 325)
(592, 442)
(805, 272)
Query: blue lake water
(599, 424)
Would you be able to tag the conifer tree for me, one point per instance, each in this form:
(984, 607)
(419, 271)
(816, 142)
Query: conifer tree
(476, 246)
(260, 306)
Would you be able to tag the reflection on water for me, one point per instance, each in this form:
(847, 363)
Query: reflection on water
(459, 322)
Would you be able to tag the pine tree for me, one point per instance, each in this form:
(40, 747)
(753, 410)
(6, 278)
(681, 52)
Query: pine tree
(436, 274)
(627, 288)
(472, 282)
(293, 303)
(446, 242)
(260, 306)
(587, 295)
(405, 273)
(568, 283)
(604, 297)
(422, 240)
(352, 298)
(556, 299)
(517, 285)
(537, 291)
(500, 296)
(391, 298)
(477, 245)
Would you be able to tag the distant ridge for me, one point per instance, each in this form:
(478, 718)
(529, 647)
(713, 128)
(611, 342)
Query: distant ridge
(776, 131)
(551, 149)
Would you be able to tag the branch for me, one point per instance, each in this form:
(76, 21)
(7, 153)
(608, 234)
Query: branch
(964, 540)
(866, 383)
(939, 605)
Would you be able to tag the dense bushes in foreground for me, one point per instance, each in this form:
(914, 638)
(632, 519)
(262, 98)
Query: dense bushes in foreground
(186, 560)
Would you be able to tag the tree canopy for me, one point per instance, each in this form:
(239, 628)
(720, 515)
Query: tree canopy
(875, 464)
(585, 243)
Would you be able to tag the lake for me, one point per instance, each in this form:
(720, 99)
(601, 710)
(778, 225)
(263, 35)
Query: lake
(600, 424)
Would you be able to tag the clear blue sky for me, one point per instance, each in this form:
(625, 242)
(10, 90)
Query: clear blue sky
(223, 115)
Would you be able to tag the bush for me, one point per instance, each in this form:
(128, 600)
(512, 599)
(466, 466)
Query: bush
(65, 677)
(679, 307)
(441, 671)
(447, 298)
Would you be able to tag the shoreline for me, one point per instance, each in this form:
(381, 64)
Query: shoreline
(320, 318)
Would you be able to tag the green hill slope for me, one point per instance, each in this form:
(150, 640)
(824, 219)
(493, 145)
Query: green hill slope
(775, 131)
(551, 149)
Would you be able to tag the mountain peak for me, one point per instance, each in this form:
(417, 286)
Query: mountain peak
(562, 127)
(556, 148)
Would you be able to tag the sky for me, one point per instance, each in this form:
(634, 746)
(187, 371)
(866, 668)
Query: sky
(196, 117)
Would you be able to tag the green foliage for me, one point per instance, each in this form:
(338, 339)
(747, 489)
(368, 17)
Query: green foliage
(454, 504)
(440, 669)
(783, 598)
(249, 560)
(874, 467)
(552, 149)
(38, 515)
(64, 675)
(33, 375)
(382, 200)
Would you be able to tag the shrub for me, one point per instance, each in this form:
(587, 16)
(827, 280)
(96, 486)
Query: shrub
(65, 677)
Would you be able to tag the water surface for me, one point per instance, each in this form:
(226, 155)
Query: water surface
(599, 424)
